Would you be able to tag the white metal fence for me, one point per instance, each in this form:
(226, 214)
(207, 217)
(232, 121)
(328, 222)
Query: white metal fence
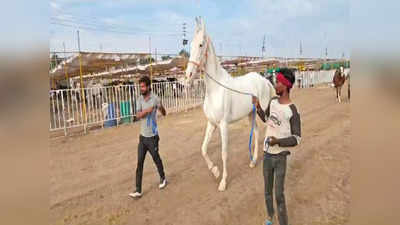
(111, 106)
(305, 79)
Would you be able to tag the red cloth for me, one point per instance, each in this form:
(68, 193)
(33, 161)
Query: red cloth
(283, 80)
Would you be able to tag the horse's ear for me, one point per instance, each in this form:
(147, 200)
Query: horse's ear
(203, 26)
(198, 26)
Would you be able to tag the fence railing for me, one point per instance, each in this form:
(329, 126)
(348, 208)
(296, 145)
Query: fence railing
(305, 79)
(114, 105)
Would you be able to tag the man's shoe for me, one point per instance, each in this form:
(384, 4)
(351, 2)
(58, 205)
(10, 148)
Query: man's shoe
(136, 194)
(163, 183)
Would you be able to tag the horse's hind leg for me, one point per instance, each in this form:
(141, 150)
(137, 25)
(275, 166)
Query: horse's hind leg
(209, 131)
(348, 90)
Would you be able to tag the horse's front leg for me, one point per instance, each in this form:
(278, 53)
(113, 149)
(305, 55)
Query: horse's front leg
(337, 94)
(224, 138)
(209, 131)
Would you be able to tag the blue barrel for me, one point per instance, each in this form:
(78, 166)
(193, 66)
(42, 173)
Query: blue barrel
(110, 119)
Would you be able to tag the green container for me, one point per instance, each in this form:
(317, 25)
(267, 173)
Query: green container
(125, 112)
(326, 66)
(271, 70)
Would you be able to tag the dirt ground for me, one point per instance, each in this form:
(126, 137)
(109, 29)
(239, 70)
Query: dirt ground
(91, 175)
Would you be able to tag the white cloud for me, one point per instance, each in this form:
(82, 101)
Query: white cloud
(55, 5)
(110, 21)
(284, 9)
(284, 22)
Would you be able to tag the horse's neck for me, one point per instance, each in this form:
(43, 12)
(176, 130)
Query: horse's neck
(214, 69)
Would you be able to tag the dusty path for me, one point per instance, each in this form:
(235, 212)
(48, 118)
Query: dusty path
(92, 175)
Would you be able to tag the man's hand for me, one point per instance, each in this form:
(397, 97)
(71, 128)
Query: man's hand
(149, 110)
(273, 141)
(144, 112)
(162, 110)
(255, 101)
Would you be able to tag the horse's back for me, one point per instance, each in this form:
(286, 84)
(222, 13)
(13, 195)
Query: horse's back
(255, 84)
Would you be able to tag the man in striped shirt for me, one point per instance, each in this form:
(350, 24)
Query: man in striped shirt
(283, 132)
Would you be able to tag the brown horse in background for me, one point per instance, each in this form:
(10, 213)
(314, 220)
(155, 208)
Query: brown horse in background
(348, 86)
(338, 80)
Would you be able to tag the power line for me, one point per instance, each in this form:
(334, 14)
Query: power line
(67, 16)
(107, 30)
(111, 28)
(61, 12)
(105, 26)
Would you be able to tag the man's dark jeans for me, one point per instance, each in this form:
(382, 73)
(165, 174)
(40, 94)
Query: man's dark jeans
(275, 167)
(148, 144)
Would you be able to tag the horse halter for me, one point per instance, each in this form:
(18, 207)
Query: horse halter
(199, 64)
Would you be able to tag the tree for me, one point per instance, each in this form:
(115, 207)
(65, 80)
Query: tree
(144, 61)
(165, 57)
(184, 53)
(54, 61)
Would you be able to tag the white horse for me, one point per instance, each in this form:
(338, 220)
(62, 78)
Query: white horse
(224, 105)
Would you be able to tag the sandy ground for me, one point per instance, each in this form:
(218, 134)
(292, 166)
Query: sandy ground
(91, 175)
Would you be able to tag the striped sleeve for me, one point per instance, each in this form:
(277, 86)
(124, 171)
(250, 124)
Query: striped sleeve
(295, 127)
(265, 114)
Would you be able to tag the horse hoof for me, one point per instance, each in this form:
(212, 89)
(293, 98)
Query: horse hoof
(215, 171)
(253, 164)
(222, 186)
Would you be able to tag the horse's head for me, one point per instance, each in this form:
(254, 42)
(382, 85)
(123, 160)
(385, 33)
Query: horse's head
(198, 49)
(342, 70)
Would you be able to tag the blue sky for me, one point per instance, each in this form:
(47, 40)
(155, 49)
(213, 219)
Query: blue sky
(236, 27)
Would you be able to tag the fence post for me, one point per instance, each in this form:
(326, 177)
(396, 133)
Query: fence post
(175, 95)
(63, 113)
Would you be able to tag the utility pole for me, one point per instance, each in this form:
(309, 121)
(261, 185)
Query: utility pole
(79, 41)
(184, 40)
(301, 49)
(326, 53)
(65, 66)
(155, 55)
(80, 72)
(151, 69)
(263, 48)
(240, 48)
